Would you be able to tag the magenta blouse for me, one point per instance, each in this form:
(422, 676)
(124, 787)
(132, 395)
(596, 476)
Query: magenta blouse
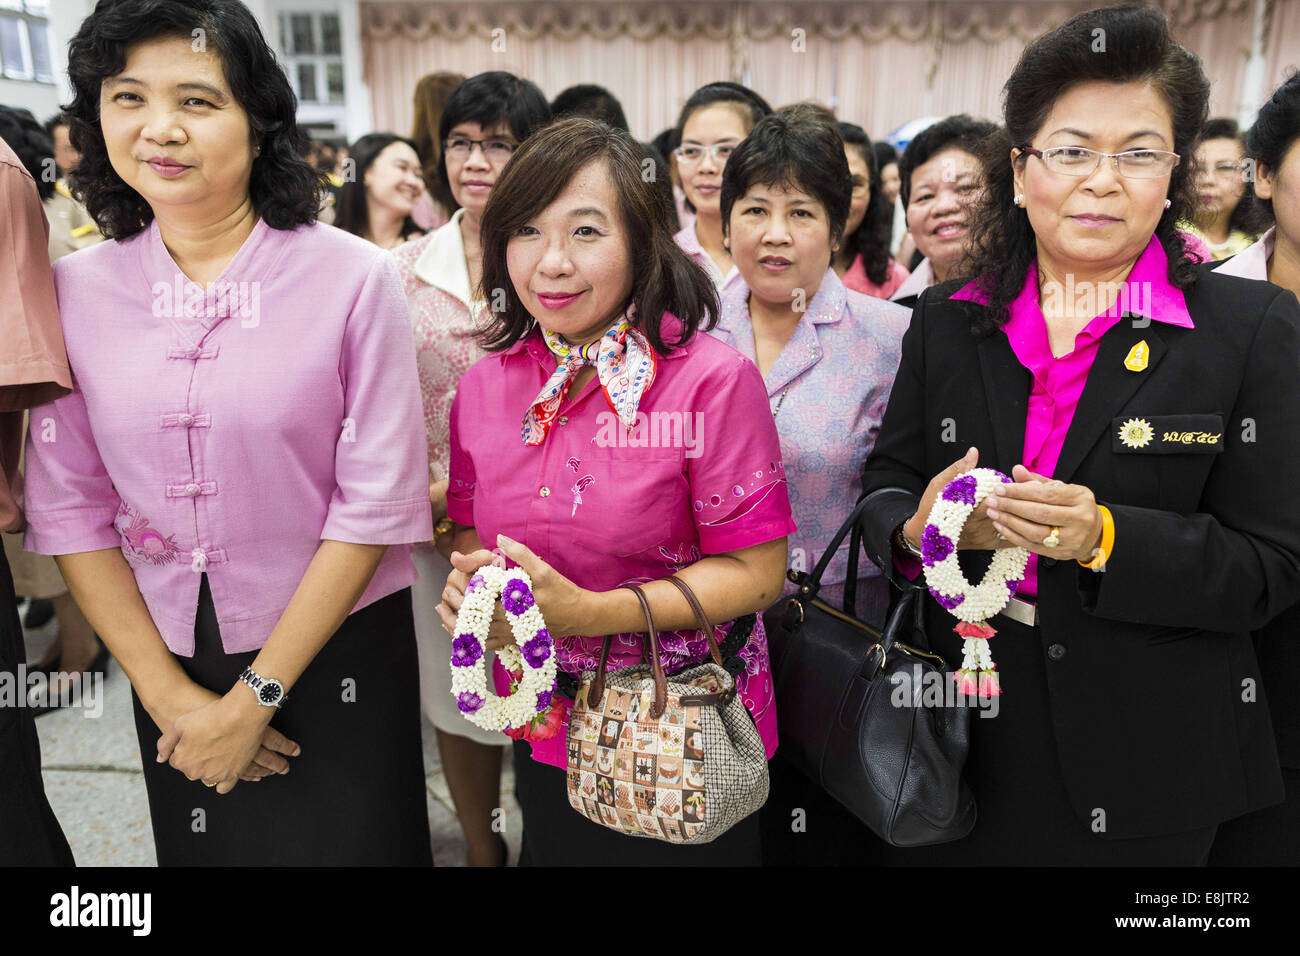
(700, 474)
(1058, 382)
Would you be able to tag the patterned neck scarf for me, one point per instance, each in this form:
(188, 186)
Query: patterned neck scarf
(625, 364)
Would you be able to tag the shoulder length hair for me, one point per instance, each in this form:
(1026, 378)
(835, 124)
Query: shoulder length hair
(664, 278)
(1139, 46)
(353, 212)
(284, 188)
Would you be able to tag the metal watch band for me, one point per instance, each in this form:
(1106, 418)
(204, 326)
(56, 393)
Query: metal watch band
(261, 685)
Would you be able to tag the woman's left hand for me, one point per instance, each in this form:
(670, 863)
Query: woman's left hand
(1025, 513)
(218, 741)
(563, 604)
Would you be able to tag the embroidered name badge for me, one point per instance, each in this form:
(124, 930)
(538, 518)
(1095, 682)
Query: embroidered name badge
(1167, 434)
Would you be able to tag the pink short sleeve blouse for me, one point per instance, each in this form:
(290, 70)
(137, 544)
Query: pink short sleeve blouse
(701, 473)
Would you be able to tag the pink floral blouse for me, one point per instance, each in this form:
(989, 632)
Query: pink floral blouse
(700, 474)
(443, 319)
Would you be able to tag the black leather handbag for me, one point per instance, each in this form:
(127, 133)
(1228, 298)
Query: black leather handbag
(863, 712)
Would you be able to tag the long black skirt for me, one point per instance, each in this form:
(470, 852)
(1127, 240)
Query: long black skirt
(29, 833)
(557, 835)
(355, 796)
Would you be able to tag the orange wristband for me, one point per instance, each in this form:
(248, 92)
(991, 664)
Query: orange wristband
(1107, 541)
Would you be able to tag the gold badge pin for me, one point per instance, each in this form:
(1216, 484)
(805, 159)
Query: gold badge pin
(1136, 361)
(1136, 432)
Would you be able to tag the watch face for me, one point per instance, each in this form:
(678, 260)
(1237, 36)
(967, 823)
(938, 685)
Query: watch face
(270, 692)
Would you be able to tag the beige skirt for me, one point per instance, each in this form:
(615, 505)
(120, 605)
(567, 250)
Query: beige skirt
(35, 575)
(434, 645)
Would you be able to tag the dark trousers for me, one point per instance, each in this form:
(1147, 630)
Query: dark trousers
(355, 796)
(557, 835)
(29, 833)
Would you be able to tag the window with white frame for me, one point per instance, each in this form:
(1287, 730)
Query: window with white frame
(25, 41)
(313, 55)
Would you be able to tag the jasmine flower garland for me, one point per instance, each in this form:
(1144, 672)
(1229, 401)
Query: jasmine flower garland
(533, 652)
(971, 605)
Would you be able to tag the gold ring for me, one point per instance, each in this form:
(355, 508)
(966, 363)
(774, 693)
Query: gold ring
(206, 784)
(1053, 539)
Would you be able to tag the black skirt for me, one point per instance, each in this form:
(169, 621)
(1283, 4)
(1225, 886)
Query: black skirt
(355, 796)
(557, 835)
(29, 833)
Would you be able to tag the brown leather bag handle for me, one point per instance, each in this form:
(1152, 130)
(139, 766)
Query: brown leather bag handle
(597, 689)
(700, 616)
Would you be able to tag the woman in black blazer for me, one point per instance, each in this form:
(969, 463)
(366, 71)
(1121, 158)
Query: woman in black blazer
(1132, 721)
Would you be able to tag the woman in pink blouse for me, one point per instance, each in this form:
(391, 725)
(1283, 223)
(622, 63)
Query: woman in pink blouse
(585, 488)
(863, 262)
(712, 123)
(233, 486)
(485, 120)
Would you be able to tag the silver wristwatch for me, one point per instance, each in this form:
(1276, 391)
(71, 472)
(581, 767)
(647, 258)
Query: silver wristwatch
(269, 692)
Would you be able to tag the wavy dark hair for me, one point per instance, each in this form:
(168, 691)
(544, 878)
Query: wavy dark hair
(1276, 130)
(353, 211)
(1139, 46)
(664, 278)
(284, 189)
(32, 144)
(797, 148)
(1224, 128)
(871, 239)
(488, 99)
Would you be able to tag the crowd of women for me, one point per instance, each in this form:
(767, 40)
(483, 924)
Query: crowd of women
(269, 505)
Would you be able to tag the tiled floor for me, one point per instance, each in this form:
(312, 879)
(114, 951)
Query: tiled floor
(94, 783)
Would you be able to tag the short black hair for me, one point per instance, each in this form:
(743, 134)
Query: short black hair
(961, 131)
(33, 146)
(1276, 130)
(488, 99)
(1244, 215)
(884, 152)
(723, 91)
(592, 101)
(798, 148)
(283, 189)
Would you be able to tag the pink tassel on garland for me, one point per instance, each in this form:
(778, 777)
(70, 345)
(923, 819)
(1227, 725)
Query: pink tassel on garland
(978, 674)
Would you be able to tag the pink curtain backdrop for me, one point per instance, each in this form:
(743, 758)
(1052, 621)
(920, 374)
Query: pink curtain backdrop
(876, 64)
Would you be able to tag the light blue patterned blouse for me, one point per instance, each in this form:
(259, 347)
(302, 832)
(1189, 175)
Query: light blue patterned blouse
(835, 374)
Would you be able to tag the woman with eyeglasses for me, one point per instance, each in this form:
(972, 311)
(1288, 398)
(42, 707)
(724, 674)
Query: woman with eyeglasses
(486, 118)
(712, 123)
(1219, 217)
(1145, 410)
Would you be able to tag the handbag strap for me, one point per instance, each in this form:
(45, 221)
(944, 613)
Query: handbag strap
(714, 651)
(811, 583)
(597, 689)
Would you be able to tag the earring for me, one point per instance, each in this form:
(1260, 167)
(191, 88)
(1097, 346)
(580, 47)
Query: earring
(1019, 199)
(1168, 203)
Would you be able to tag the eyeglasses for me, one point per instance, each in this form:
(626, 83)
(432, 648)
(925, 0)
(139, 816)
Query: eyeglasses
(693, 154)
(496, 150)
(1225, 170)
(1081, 161)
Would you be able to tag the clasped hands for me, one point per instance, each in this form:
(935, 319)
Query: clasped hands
(222, 739)
(1019, 515)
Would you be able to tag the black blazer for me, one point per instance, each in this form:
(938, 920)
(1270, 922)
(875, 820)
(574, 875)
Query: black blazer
(1157, 708)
